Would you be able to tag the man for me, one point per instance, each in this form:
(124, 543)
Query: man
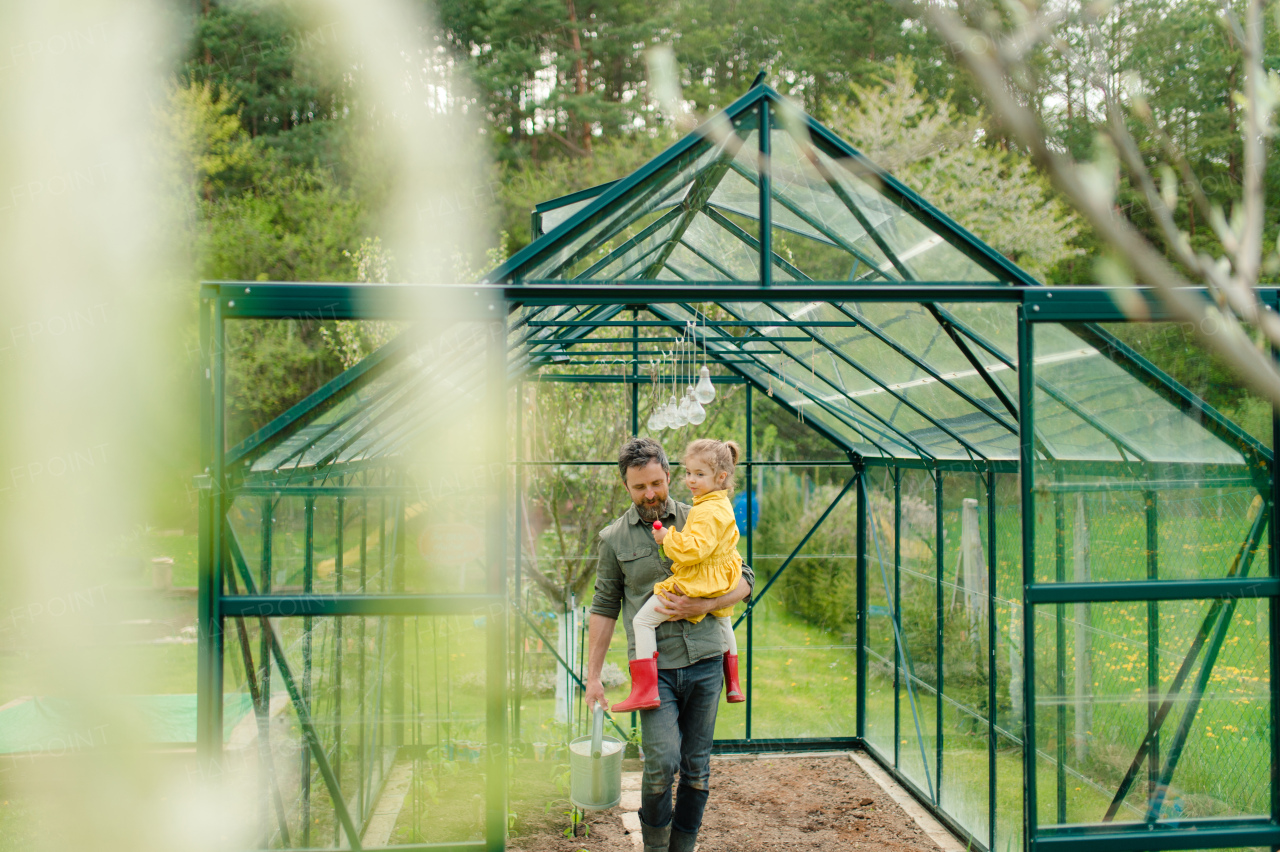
(678, 734)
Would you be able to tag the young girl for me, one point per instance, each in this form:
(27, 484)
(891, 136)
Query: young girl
(705, 564)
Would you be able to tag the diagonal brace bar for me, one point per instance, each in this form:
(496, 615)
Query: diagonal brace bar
(552, 648)
(755, 599)
(1239, 565)
(299, 706)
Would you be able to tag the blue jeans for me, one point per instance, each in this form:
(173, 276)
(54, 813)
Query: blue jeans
(678, 735)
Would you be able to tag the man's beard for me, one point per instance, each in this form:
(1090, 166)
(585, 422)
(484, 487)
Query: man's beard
(649, 514)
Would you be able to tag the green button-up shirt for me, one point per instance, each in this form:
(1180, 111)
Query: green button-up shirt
(628, 568)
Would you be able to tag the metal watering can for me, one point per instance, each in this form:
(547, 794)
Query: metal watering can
(595, 768)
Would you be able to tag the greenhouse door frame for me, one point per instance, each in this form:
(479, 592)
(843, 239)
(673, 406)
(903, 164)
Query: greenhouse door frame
(219, 564)
(1096, 305)
(1033, 304)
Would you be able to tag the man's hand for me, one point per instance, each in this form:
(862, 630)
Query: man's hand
(595, 694)
(676, 607)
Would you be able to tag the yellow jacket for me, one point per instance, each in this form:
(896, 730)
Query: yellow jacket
(704, 556)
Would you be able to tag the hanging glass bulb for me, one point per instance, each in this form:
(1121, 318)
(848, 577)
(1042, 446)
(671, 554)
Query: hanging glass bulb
(675, 416)
(684, 403)
(657, 419)
(705, 391)
(695, 411)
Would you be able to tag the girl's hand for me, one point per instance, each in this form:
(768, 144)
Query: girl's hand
(659, 535)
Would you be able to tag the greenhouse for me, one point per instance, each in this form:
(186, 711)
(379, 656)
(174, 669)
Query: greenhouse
(1018, 564)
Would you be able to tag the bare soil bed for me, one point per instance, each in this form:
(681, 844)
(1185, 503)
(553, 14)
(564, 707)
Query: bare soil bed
(825, 803)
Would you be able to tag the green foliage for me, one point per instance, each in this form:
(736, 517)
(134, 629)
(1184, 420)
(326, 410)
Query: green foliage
(269, 61)
(206, 144)
(271, 365)
(943, 155)
(350, 341)
(522, 185)
(557, 80)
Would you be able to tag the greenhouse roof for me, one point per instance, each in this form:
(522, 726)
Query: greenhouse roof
(756, 205)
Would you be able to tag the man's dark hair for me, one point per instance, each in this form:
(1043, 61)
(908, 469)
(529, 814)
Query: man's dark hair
(639, 452)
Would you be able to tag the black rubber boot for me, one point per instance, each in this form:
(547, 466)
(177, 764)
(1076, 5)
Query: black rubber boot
(655, 839)
(681, 841)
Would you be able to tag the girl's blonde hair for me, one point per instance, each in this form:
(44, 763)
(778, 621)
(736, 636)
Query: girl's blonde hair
(723, 456)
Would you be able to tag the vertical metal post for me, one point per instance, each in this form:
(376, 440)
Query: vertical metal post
(860, 471)
(939, 625)
(208, 523)
(635, 374)
(268, 522)
(766, 199)
(1153, 645)
(991, 658)
(1273, 627)
(220, 506)
(398, 657)
(213, 707)
(308, 568)
(635, 430)
(750, 545)
(338, 521)
(379, 710)
(1060, 641)
(362, 767)
(1026, 482)
(896, 614)
(519, 567)
(495, 624)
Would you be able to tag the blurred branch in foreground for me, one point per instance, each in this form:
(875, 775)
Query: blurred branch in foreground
(1003, 46)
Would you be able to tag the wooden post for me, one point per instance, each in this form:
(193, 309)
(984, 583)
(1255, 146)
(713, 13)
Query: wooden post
(1083, 654)
(975, 568)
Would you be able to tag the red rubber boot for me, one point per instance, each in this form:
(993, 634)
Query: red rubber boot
(644, 686)
(733, 690)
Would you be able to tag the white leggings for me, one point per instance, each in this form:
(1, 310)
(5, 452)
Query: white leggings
(646, 624)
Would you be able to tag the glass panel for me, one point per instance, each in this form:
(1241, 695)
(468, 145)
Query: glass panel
(798, 185)
(819, 260)
(1112, 529)
(965, 772)
(804, 664)
(690, 267)
(1174, 349)
(1104, 670)
(552, 219)
(702, 164)
(647, 240)
(925, 255)
(596, 239)
(439, 380)
(738, 192)
(1007, 588)
(883, 671)
(729, 252)
(397, 704)
(434, 529)
(1111, 406)
(861, 383)
(918, 697)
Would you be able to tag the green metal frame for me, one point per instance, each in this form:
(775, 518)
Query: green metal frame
(540, 324)
(223, 567)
